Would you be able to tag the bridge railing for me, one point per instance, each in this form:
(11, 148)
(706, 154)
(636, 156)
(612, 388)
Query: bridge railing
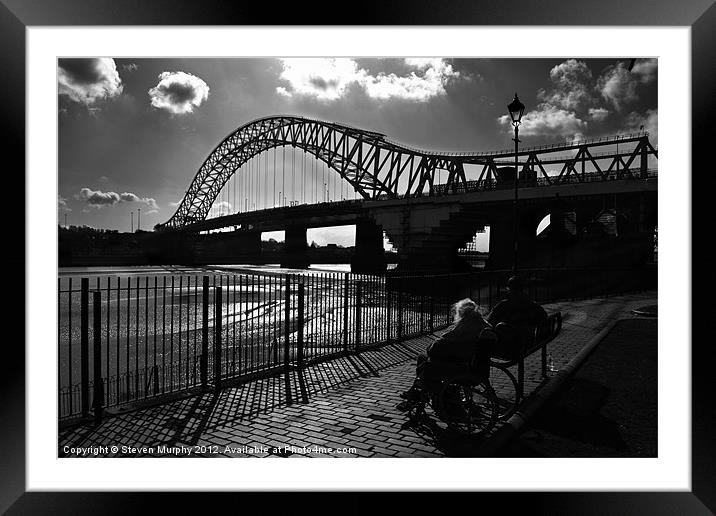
(526, 150)
(126, 340)
(492, 184)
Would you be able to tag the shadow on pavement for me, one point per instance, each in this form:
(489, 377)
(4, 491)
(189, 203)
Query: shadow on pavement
(183, 421)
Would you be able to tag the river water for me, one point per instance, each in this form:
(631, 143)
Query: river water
(153, 315)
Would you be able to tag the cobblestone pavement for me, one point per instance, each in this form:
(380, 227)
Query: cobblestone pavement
(351, 407)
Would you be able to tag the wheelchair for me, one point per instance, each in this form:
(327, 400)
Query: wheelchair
(459, 395)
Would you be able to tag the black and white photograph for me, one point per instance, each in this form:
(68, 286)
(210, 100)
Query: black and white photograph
(426, 234)
(357, 257)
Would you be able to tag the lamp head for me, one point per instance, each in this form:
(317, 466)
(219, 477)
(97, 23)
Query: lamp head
(516, 109)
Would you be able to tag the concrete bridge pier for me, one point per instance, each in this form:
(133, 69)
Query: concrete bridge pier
(502, 239)
(295, 248)
(369, 257)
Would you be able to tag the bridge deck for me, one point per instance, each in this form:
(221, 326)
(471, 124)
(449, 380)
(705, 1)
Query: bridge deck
(348, 211)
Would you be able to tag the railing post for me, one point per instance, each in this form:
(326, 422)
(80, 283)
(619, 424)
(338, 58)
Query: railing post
(400, 309)
(422, 305)
(346, 288)
(204, 357)
(217, 338)
(299, 343)
(432, 304)
(155, 375)
(84, 347)
(389, 310)
(299, 340)
(287, 342)
(358, 317)
(98, 394)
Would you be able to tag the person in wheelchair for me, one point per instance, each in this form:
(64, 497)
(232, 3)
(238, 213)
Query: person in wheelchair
(453, 351)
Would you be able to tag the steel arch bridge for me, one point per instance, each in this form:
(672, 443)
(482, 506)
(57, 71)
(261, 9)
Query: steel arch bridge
(377, 167)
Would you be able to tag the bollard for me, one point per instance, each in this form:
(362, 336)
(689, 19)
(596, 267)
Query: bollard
(204, 357)
(84, 347)
(217, 339)
(98, 394)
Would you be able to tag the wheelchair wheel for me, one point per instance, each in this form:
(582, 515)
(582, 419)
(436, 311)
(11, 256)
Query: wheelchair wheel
(504, 384)
(467, 405)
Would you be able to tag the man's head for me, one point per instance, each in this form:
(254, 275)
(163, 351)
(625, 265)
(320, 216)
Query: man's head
(514, 284)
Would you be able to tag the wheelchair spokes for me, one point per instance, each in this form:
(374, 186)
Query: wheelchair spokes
(467, 405)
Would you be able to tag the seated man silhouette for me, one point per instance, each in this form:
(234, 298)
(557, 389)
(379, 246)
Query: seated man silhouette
(515, 318)
(454, 350)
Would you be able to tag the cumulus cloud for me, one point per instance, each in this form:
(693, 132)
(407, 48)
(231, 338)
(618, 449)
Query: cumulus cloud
(577, 99)
(548, 120)
(86, 81)
(62, 204)
(646, 70)
(598, 114)
(572, 86)
(131, 67)
(178, 92)
(130, 197)
(649, 120)
(565, 108)
(618, 85)
(98, 198)
(329, 79)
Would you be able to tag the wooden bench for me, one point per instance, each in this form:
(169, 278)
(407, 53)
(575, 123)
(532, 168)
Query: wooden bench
(502, 358)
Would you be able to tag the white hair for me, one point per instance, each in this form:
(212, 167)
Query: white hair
(463, 307)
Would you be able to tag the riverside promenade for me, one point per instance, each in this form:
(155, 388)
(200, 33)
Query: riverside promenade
(350, 409)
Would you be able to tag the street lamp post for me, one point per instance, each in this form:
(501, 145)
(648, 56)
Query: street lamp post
(516, 110)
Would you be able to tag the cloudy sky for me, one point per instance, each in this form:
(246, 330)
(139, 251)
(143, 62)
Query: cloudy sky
(133, 132)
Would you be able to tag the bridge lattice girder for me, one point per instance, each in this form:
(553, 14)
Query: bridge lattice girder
(377, 167)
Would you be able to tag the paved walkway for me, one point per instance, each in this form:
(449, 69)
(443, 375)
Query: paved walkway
(350, 411)
(603, 411)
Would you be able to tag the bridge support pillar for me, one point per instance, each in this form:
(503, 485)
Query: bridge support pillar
(295, 248)
(502, 240)
(369, 255)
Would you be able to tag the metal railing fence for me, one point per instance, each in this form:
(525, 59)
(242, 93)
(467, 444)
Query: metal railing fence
(125, 340)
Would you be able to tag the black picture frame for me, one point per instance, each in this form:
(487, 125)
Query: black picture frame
(16, 15)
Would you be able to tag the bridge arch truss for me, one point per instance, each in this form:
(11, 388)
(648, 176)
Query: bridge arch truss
(377, 167)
